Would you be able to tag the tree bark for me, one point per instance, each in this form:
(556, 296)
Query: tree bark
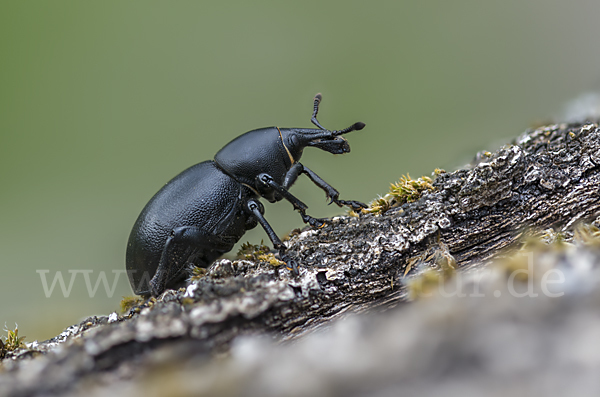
(547, 177)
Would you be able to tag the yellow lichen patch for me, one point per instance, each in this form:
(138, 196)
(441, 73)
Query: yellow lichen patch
(129, 302)
(258, 253)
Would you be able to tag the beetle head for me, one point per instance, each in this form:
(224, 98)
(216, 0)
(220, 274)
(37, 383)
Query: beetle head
(273, 151)
(296, 139)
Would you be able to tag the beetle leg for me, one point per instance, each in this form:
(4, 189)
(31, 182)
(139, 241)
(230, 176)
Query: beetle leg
(291, 263)
(314, 222)
(267, 180)
(292, 175)
(329, 190)
(171, 265)
(256, 209)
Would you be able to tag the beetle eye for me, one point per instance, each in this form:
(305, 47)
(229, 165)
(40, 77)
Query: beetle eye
(294, 142)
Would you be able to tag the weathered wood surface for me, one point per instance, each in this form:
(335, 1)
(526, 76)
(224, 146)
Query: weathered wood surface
(547, 177)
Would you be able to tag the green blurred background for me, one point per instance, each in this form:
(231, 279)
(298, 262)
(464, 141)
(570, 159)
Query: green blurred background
(103, 102)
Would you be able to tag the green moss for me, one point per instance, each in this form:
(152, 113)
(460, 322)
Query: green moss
(187, 301)
(406, 190)
(379, 206)
(198, 273)
(250, 251)
(12, 341)
(424, 284)
(441, 267)
(291, 234)
(129, 302)
(258, 253)
(587, 234)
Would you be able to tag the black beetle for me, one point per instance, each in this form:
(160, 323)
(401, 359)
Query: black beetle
(202, 212)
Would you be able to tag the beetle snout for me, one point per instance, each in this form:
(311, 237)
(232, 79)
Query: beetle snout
(337, 145)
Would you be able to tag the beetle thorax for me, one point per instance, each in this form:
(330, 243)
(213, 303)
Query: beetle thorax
(253, 153)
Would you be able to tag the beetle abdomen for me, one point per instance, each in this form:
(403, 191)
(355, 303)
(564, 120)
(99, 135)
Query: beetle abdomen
(202, 196)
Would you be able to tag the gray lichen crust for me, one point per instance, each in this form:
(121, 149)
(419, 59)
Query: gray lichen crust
(548, 177)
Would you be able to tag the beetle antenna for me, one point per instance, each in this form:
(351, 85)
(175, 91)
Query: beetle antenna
(354, 127)
(317, 101)
(313, 119)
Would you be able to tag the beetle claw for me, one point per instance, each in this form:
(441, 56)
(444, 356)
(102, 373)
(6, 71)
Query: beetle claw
(318, 223)
(355, 205)
(291, 263)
